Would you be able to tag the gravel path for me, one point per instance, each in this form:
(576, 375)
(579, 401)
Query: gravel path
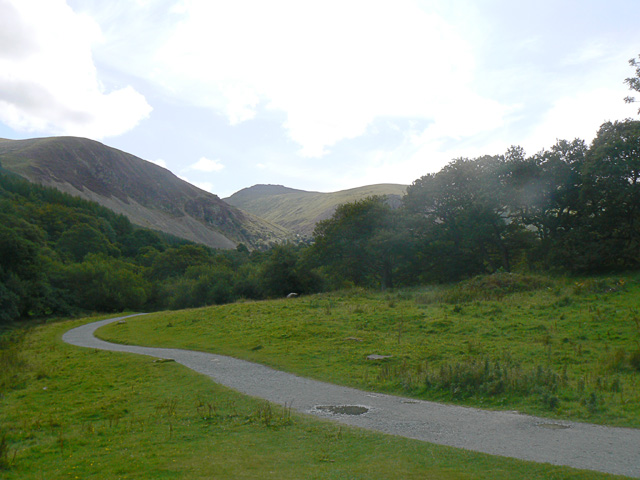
(509, 434)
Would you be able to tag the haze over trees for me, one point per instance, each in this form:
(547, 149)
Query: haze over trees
(571, 208)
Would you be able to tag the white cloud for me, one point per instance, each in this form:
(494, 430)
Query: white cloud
(413, 83)
(48, 81)
(160, 162)
(578, 116)
(206, 165)
(593, 51)
(207, 186)
(332, 67)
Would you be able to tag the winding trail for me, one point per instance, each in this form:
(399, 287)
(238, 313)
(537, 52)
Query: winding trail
(509, 434)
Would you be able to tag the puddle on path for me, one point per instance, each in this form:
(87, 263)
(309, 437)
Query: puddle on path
(343, 409)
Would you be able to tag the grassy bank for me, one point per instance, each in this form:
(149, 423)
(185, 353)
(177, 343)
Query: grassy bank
(563, 348)
(74, 413)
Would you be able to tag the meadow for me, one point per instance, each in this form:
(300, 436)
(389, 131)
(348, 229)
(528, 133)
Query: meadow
(69, 412)
(557, 347)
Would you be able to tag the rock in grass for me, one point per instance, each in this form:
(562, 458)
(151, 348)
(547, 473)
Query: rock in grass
(375, 356)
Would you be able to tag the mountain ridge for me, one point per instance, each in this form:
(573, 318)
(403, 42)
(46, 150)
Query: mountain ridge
(300, 210)
(150, 195)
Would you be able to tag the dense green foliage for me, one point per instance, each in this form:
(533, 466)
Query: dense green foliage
(361, 242)
(61, 255)
(571, 208)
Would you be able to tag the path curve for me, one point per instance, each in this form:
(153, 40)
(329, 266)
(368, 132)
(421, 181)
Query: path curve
(509, 434)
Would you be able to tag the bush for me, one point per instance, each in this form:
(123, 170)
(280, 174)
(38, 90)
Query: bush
(105, 284)
(485, 377)
(634, 360)
(486, 287)
(598, 285)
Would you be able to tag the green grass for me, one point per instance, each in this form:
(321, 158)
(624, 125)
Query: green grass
(562, 348)
(75, 413)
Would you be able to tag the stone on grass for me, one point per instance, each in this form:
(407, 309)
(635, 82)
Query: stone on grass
(375, 356)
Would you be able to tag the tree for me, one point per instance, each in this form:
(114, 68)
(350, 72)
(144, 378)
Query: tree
(361, 243)
(16, 252)
(25, 290)
(122, 226)
(200, 285)
(543, 196)
(633, 82)
(11, 291)
(279, 273)
(135, 242)
(82, 239)
(105, 284)
(611, 198)
(462, 219)
(174, 262)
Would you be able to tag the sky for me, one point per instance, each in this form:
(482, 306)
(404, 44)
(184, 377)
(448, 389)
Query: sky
(316, 95)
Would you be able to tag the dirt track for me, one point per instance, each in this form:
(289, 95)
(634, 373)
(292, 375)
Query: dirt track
(509, 434)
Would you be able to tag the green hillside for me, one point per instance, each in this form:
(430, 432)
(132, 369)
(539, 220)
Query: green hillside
(149, 195)
(61, 255)
(299, 210)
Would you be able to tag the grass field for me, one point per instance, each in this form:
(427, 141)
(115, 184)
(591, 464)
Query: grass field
(562, 348)
(74, 413)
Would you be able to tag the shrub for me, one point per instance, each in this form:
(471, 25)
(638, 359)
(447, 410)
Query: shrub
(486, 287)
(598, 285)
(634, 360)
(491, 378)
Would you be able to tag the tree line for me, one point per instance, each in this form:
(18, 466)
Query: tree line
(572, 208)
(61, 255)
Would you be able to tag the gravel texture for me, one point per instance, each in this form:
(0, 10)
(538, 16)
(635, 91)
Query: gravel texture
(509, 434)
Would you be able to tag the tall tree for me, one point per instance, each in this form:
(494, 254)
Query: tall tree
(462, 221)
(82, 239)
(361, 243)
(283, 272)
(611, 197)
(543, 196)
(174, 262)
(105, 284)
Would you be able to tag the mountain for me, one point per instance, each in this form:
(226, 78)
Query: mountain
(299, 210)
(151, 196)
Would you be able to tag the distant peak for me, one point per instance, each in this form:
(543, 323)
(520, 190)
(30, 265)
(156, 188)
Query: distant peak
(266, 189)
